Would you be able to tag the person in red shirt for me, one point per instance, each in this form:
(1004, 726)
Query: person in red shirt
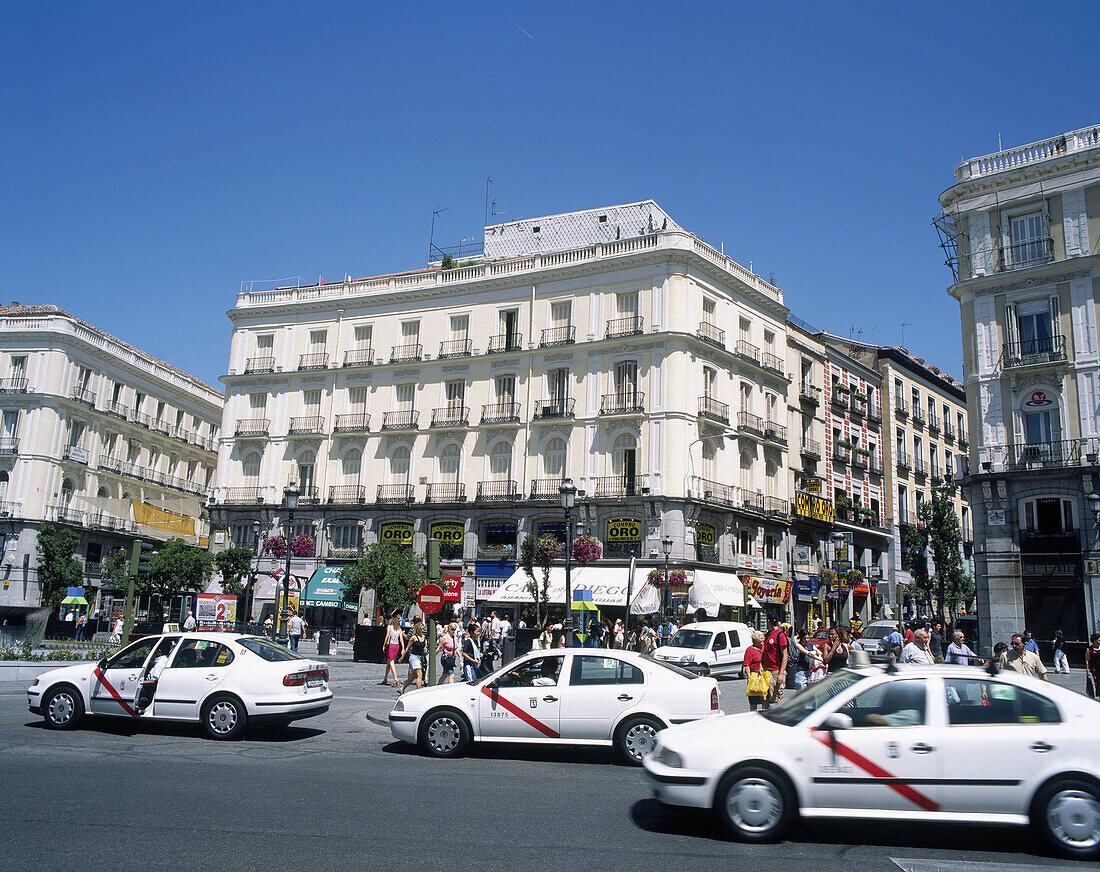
(908, 634)
(757, 695)
(774, 659)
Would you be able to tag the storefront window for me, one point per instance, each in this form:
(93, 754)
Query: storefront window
(451, 536)
(553, 528)
(498, 541)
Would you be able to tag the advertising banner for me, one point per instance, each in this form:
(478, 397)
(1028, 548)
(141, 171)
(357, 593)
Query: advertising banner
(813, 507)
(396, 532)
(624, 530)
(705, 534)
(216, 611)
(447, 532)
(774, 591)
(452, 587)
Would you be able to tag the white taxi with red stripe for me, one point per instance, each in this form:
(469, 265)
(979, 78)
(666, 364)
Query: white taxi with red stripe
(568, 696)
(225, 681)
(927, 743)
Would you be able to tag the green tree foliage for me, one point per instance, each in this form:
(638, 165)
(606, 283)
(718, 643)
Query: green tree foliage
(116, 570)
(937, 535)
(234, 564)
(57, 568)
(393, 572)
(538, 552)
(176, 567)
(448, 262)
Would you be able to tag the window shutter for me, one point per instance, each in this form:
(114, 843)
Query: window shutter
(1054, 329)
(1012, 332)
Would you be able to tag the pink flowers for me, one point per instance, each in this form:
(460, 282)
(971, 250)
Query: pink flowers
(547, 550)
(675, 577)
(302, 545)
(586, 549)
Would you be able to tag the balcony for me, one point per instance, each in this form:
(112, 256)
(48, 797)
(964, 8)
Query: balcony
(85, 396)
(811, 448)
(252, 427)
(874, 413)
(504, 342)
(546, 489)
(933, 424)
(747, 351)
(775, 432)
(312, 425)
(357, 423)
(623, 403)
(709, 333)
(777, 507)
(842, 453)
(76, 454)
(858, 405)
(1033, 252)
(715, 492)
(859, 459)
(395, 493)
(244, 495)
(450, 417)
(809, 394)
(713, 410)
(874, 466)
(918, 417)
(497, 492)
(308, 494)
(548, 410)
(456, 348)
(402, 419)
(964, 443)
(1060, 542)
(772, 363)
(406, 353)
(500, 413)
(901, 410)
(259, 364)
(919, 467)
(752, 501)
(937, 476)
(446, 492)
(9, 444)
(347, 494)
(359, 357)
(13, 386)
(750, 424)
(632, 325)
(317, 360)
(948, 432)
(619, 486)
(110, 464)
(840, 398)
(557, 336)
(1034, 352)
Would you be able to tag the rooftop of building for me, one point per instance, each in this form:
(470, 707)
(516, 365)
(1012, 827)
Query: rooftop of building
(18, 310)
(1023, 156)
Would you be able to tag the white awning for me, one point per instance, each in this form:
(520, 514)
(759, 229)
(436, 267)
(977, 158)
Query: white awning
(713, 589)
(608, 585)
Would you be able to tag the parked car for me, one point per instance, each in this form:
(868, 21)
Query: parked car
(566, 696)
(224, 681)
(873, 639)
(710, 647)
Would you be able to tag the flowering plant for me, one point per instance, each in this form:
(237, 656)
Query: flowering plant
(854, 576)
(547, 549)
(657, 578)
(302, 545)
(587, 549)
(827, 576)
(275, 545)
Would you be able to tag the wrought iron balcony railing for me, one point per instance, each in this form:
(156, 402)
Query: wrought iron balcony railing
(772, 362)
(245, 495)
(714, 410)
(775, 432)
(810, 394)
(1023, 254)
(309, 424)
(631, 325)
(715, 492)
(1034, 352)
(497, 491)
(456, 348)
(395, 493)
(402, 419)
(619, 486)
(259, 364)
(355, 423)
(505, 342)
(752, 501)
(500, 413)
(446, 492)
(85, 396)
(405, 353)
(901, 410)
(747, 422)
(317, 360)
(623, 403)
(9, 444)
(811, 448)
(709, 333)
(776, 506)
(347, 494)
(13, 386)
(549, 409)
(1041, 455)
(546, 488)
(252, 427)
(359, 357)
(558, 336)
(450, 416)
(901, 458)
(747, 351)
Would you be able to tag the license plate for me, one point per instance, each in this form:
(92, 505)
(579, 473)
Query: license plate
(315, 681)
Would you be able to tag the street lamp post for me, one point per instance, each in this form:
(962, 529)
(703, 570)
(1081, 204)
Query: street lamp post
(251, 598)
(666, 546)
(568, 492)
(290, 494)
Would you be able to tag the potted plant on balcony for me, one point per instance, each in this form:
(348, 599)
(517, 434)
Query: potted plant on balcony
(586, 549)
(843, 502)
(841, 388)
(846, 444)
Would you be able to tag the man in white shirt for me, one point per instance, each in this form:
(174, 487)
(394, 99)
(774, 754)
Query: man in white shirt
(189, 622)
(917, 651)
(494, 626)
(959, 652)
(505, 627)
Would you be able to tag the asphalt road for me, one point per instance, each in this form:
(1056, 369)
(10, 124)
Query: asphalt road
(337, 793)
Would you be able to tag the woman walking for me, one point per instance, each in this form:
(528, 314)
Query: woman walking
(756, 686)
(836, 654)
(446, 648)
(416, 649)
(391, 648)
(805, 660)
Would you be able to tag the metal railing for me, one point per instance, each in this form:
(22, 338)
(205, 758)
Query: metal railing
(560, 408)
(874, 412)
(13, 386)
(902, 460)
(497, 491)
(709, 333)
(308, 493)
(919, 467)
(1042, 455)
(259, 364)
(500, 413)
(811, 448)
(772, 362)
(395, 493)
(9, 444)
(558, 336)
(450, 416)
(317, 360)
(714, 410)
(776, 506)
(355, 423)
(85, 396)
(631, 325)
(252, 427)
(874, 465)
(619, 486)
(308, 424)
(747, 350)
(1032, 352)
(715, 492)
(345, 552)
(918, 416)
(446, 492)
(859, 459)
(546, 488)
(9, 509)
(901, 410)
(347, 494)
(841, 453)
(456, 348)
(1022, 254)
(118, 410)
(809, 394)
(775, 432)
(403, 353)
(503, 342)
(750, 423)
(359, 357)
(623, 403)
(840, 398)
(403, 419)
(948, 432)
(752, 501)
(245, 494)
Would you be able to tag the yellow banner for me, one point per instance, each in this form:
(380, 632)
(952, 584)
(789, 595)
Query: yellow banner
(810, 506)
(624, 530)
(150, 516)
(397, 532)
(451, 533)
(704, 534)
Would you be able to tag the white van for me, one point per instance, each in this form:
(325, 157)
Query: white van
(716, 647)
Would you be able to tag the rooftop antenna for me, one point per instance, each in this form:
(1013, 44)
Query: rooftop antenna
(431, 239)
(904, 324)
(488, 181)
(494, 211)
(859, 333)
(999, 147)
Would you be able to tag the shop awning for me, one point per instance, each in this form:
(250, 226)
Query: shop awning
(608, 585)
(326, 590)
(74, 601)
(714, 589)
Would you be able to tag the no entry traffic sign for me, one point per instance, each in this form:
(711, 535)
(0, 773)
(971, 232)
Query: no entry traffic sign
(430, 599)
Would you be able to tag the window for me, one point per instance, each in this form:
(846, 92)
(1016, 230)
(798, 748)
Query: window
(116, 395)
(931, 409)
(139, 402)
(710, 455)
(311, 403)
(746, 471)
(980, 701)
(745, 329)
(1034, 325)
(710, 313)
(540, 672)
(305, 472)
(916, 404)
(719, 643)
(251, 468)
(317, 340)
(19, 367)
(899, 393)
(460, 328)
(771, 478)
(557, 382)
(771, 547)
(900, 442)
(919, 497)
(746, 397)
(357, 400)
(560, 313)
(962, 425)
(1049, 515)
(76, 434)
(890, 704)
(626, 305)
(257, 405)
(903, 504)
(351, 464)
(1038, 428)
(710, 382)
(202, 655)
(404, 395)
(771, 405)
(590, 670)
(626, 380)
(345, 536)
(265, 345)
(553, 459)
(1027, 239)
(456, 395)
(807, 374)
(500, 462)
(624, 461)
(917, 446)
(399, 466)
(363, 336)
(769, 342)
(509, 321)
(135, 656)
(410, 332)
(11, 424)
(746, 542)
(449, 461)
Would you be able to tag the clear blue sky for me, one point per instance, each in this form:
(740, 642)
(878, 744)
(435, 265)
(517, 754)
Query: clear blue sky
(156, 155)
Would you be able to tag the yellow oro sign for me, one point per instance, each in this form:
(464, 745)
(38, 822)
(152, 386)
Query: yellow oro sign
(624, 530)
(449, 533)
(704, 534)
(397, 532)
(812, 485)
(810, 506)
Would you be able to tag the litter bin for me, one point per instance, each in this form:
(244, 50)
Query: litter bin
(508, 650)
(324, 642)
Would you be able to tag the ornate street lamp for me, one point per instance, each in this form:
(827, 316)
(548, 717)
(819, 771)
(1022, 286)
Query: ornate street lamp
(250, 599)
(568, 492)
(290, 494)
(666, 546)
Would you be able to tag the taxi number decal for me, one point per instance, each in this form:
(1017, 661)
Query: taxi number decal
(520, 713)
(876, 771)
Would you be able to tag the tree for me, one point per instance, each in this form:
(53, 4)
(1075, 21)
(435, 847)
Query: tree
(234, 564)
(116, 570)
(937, 530)
(57, 568)
(393, 572)
(176, 567)
(542, 552)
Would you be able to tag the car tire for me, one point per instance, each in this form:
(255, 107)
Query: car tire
(637, 737)
(704, 670)
(63, 707)
(444, 733)
(1067, 813)
(755, 804)
(741, 671)
(224, 717)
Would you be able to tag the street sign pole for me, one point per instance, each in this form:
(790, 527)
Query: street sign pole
(434, 575)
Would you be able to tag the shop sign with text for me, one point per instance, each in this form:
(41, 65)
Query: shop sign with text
(814, 507)
(774, 591)
(705, 534)
(624, 530)
(397, 532)
(446, 532)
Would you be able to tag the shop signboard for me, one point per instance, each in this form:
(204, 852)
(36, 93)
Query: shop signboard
(773, 591)
(624, 530)
(447, 532)
(771, 565)
(745, 561)
(705, 534)
(805, 587)
(811, 506)
(452, 587)
(396, 532)
(842, 554)
(802, 555)
(215, 611)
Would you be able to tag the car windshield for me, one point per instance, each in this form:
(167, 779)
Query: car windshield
(267, 649)
(877, 632)
(797, 708)
(697, 639)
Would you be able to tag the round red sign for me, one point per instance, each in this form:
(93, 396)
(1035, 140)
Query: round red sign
(430, 599)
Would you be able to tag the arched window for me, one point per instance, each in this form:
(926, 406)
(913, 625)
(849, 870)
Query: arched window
(305, 472)
(352, 463)
(399, 467)
(449, 462)
(66, 492)
(500, 462)
(1041, 424)
(251, 468)
(553, 459)
(102, 492)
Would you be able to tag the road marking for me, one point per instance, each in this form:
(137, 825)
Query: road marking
(920, 865)
(872, 768)
(114, 693)
(520, 713)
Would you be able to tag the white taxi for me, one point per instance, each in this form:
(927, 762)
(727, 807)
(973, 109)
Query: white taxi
(566, 696)
(922, 743)
(223, 680)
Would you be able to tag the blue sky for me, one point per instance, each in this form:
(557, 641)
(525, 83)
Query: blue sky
(157, 155)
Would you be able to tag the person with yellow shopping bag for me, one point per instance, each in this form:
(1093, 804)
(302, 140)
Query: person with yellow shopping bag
(756, 687)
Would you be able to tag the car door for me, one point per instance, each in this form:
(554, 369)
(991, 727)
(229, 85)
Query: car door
(523, 702)
(197, 668)
(601, 688)
(739, 642)
(890, 759)
(115, 689)
(722, 652)
(999, 736)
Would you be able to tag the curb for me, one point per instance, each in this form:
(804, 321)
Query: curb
(381, 720)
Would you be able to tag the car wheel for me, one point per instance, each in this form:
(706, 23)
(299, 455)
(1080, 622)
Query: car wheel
(444, 734)
(63, 708)
(754, 804)
(224, 717)
(704, 670)
(1068, 813)
(741, 672)
(637, 737)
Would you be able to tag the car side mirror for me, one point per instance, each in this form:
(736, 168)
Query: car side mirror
(102, 664)
(836, 721)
